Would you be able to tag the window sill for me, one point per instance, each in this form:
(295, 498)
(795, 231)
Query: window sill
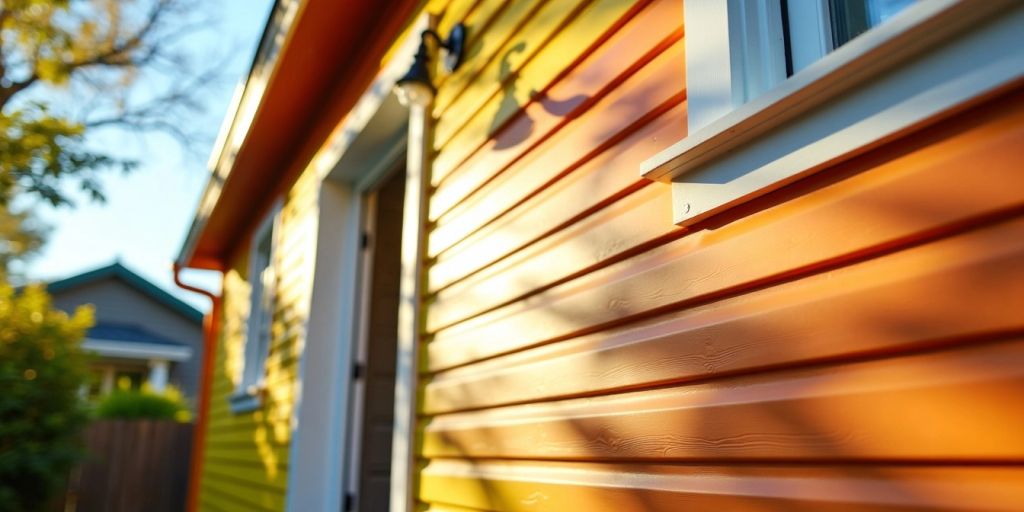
(246, 400)
(914, 70)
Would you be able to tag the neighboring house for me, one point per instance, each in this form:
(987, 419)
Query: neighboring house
(746, 255)
(142, 333)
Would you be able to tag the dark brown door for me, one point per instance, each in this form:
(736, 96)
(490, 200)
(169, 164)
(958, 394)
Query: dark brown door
(374, 377)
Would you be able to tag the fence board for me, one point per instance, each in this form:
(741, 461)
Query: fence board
(132, 465)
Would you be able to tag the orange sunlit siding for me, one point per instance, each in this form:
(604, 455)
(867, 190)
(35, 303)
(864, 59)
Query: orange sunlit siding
(852, 341)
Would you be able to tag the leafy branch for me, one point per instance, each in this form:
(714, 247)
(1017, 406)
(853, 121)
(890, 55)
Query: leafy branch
(69, 68)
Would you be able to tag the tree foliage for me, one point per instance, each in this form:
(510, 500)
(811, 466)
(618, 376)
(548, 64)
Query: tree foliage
(40, 151)
(42, 370)
(21, 237)
(71, 67)
(67, 69)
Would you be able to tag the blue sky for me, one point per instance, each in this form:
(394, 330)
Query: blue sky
(148, 211)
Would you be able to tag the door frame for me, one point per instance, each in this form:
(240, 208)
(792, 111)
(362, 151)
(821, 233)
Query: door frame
(368, 203)
(368, 144)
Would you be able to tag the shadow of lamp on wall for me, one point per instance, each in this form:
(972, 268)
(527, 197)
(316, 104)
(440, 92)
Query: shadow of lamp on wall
(512, 118)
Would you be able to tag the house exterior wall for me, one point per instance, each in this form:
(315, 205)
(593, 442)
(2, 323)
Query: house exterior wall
(245, 462)
(851, 341)
(120, 303)
(246, 454)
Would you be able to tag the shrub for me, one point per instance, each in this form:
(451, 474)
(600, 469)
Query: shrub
(42, 370)
(143, 404)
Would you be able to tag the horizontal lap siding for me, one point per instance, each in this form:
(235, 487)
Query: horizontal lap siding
(497, 485)
(853, 341)
(246, 455)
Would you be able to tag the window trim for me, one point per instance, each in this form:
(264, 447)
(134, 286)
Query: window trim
(248, 393)
(757, 47)
(722, 130)
(810, 32)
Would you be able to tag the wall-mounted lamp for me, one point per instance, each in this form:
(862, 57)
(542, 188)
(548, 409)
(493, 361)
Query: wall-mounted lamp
(416, 87)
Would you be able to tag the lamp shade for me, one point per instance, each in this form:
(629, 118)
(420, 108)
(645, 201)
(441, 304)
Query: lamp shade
(413, 92)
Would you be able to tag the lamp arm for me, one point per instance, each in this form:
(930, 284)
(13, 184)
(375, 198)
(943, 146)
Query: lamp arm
(443, 43)
(453, 45)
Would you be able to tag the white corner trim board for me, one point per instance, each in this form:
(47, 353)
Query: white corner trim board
(928, 63)
(417, 183)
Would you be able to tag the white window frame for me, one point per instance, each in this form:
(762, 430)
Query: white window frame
(751, 133)
(810, 32)
(248, 394)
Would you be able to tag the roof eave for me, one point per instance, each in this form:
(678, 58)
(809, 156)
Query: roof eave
(248, 98)
(294, 98)
(132, 279)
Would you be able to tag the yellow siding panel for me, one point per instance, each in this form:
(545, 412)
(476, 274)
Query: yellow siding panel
(247, 474)
(519, 50)
(893, 409)
(267, 459)
(483, 47)
(242, 496)
(604, 234)
(247, 454)
(455, 12)
(478, 194)
(477, 23)
(557, 487)
(848, 342)
(512, 88)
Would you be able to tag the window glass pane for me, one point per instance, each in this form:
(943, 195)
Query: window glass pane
(813, 28)
(881, 10)
(260, 308)
(851, 18)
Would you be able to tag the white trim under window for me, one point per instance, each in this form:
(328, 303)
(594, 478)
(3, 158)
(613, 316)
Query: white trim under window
(262, 296)
(930, 61)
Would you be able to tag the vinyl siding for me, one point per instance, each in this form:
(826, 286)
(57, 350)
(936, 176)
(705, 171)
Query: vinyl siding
(852, 341)
(246, 455)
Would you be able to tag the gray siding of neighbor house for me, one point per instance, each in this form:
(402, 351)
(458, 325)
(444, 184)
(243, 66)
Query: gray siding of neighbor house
(118, 302)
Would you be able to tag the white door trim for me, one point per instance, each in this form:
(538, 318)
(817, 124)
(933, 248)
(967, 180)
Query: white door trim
(347, 164)
(317, 442)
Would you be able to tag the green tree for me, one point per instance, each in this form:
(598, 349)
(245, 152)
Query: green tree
(21, 237)
(42, 371)
(71, 67)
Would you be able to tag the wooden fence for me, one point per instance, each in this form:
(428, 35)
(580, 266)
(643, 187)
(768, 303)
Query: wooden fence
(132, 465)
